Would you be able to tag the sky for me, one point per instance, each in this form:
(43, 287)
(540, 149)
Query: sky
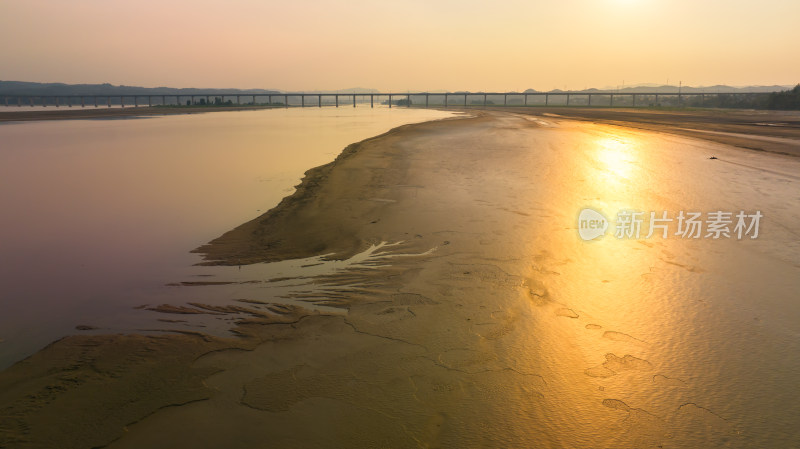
(401, 45)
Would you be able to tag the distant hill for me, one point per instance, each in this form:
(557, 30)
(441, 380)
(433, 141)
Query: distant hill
(27, 88)
(668, 89)
(352, 90)
(52, 89)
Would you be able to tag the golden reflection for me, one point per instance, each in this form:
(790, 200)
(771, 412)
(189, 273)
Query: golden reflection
(602, 293)
(617, 290)
(616, 156)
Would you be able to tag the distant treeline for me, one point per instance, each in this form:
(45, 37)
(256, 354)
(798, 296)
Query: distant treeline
(785, 100)
(789, 99)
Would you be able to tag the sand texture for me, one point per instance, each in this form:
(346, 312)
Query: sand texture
(489, 324)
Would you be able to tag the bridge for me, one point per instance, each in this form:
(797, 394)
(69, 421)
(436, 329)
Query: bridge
(428, 99)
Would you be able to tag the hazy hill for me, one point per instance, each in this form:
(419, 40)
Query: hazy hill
(669, 89)
(27, 88)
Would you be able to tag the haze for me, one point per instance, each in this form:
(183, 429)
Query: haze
(401, 45)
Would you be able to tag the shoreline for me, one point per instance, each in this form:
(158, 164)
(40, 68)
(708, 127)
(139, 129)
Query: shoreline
(447, 332)
(78, 113)
(271, 237)
(775, 132)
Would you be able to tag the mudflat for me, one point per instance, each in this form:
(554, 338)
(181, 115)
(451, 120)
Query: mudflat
(773, 131)
(486, 322)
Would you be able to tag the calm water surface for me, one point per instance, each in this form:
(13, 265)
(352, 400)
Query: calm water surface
(99, 215)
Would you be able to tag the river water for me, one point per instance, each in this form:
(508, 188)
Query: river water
(99, 215)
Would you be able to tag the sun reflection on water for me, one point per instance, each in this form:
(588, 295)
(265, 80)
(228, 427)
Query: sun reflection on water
(617, 158)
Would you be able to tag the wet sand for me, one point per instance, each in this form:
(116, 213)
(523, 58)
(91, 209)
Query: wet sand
(771, 131)
(504, 331)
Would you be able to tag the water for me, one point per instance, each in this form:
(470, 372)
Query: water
(709, 327)
(99, 215)
(531, 338)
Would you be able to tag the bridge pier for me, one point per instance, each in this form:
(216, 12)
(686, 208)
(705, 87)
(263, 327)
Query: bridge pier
(319, 101)
(371, 100)
(526, 99)
(286, 101)
(445, 100)
(337, 100)
(546, 99)
(567, 99)
(302, 100)
(590, 99)
(32, 101)
(611, 101)
(390, 101)
(408, 100)
(465, 100)
(505, 99)
(354, 100)
(57, 105)
(426, 100)
(484, 100)
(135, 101)
(634, 100)
(656, 99)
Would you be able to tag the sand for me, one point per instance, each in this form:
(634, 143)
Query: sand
(771, 131)
(470, 343)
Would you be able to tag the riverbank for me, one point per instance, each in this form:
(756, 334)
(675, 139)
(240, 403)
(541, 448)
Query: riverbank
(78, 113)
(487, 324)
(771, 131)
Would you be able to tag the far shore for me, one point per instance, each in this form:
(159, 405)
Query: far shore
(76, 113)
(771, 131)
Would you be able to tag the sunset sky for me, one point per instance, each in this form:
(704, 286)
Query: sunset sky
(401, 45)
